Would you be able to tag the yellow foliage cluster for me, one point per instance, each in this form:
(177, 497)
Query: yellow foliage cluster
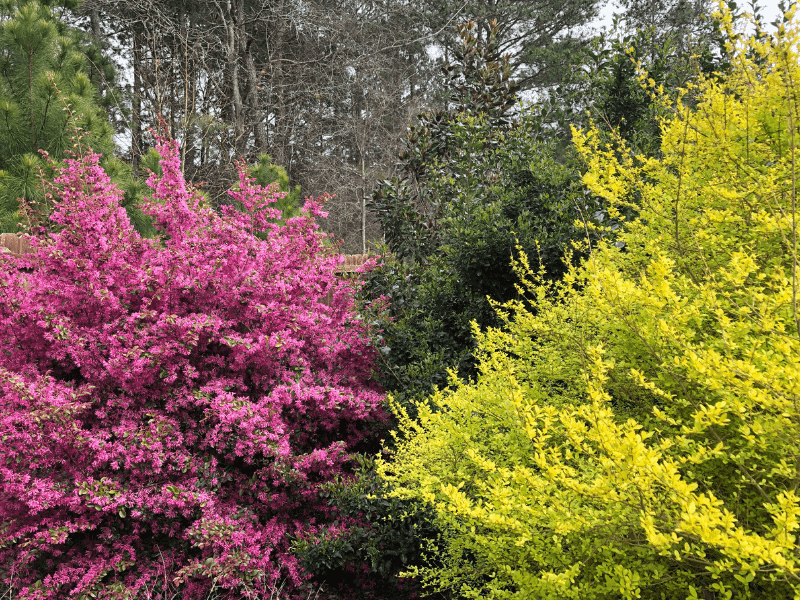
(635, 431)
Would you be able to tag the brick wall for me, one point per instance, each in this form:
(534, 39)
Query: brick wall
(352, 262)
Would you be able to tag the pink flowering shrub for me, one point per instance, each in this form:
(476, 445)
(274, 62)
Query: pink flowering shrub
(170, 407)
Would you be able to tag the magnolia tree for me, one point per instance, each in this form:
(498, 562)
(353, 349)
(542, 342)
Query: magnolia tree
(171, 406)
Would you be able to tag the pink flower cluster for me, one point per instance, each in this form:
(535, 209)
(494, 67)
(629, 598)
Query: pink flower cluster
(169, 407)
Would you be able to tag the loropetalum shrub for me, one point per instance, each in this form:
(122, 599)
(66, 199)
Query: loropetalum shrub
(170, 407)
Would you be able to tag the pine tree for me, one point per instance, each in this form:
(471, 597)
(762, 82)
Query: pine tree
(46, 96)
(266, 173)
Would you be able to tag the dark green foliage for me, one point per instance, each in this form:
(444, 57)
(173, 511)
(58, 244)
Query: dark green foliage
(385, 535)
(619, 101)
(533, 200)
(652, 45)
(426, 328)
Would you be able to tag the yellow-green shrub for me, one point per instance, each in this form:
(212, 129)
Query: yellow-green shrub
(635, 431)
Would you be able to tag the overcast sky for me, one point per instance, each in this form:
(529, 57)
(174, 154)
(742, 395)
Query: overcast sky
(769, 8)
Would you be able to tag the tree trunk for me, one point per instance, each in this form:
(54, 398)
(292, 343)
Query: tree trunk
(256, 113)
(279, 108)
(136, 104)
(233, 25)
(94, 20)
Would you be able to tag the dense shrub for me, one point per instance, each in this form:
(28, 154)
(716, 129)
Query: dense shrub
(634, 432)
(172, 407)
(383, 536)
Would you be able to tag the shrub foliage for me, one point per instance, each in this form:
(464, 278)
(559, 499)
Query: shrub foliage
(634, 431)
(171, 406)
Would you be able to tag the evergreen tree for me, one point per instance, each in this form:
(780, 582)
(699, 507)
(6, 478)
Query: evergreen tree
(266, 173)
(541, 37)
(46, 95)
(651, 45)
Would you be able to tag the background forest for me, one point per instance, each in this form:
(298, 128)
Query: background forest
(325, 89)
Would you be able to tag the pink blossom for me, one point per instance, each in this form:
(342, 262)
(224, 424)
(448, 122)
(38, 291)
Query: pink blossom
(169, 407)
